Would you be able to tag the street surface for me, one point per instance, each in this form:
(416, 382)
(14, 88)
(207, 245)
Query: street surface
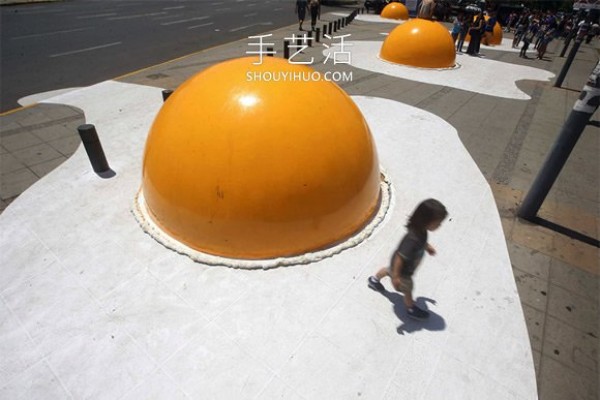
(50, 46)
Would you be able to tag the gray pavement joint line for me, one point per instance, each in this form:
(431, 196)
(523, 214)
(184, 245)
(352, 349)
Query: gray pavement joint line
(460, 108)
(102, 46)
(423, 104)
(503, 170)
(42, 125)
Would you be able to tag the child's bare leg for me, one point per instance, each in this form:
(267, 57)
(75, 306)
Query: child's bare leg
(408, 300)
(382, 273)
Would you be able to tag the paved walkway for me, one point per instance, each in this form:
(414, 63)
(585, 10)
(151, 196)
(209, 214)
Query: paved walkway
(557, 277)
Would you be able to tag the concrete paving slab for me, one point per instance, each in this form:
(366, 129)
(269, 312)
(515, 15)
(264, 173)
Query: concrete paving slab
(14, 183)
(532, 291)
(9, 163)
(16, 141)
(36, 154)
(46, 167)
(575, 349)
(564, 383)
(574, 309)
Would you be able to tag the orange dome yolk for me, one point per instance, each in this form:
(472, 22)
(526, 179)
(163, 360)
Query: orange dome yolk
(395, 11)
(246, 161)
(419, 43)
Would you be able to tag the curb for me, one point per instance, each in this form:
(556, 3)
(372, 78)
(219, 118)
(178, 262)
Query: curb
(18, 2)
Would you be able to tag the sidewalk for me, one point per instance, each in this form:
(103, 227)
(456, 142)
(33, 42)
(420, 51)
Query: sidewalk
(557, 277)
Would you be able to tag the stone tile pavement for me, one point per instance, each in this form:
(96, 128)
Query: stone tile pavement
(557, 277)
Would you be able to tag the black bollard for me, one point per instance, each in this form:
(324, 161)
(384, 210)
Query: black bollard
(324, 29)
(93, 148)
(317, 35)
(329, 29)
(166, 93)
(270, 51)
(286, 49)
(299, 42)
(571, 130)
(309, 38)
(567, 65)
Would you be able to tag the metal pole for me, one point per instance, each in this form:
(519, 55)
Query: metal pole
(318, 35)
(582, 111)
(166, 93)
(329, 28)
(309, 38)
(568, 62)
(324, 30)
(270, 52)
(93, 147)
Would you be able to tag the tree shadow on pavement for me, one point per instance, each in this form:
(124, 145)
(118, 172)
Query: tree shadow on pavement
(435, 322)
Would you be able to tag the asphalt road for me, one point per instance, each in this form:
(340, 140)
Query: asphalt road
(50, 46)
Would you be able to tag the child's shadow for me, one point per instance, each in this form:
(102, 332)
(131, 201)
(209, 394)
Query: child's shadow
(434, 323)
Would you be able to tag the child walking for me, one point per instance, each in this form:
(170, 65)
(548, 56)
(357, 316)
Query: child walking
(428, 216)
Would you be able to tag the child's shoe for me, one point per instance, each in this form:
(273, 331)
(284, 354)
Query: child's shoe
(375, 284)
(416, 313)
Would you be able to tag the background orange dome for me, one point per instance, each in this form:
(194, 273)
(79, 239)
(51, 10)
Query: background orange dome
(249, 168)
(420, 43)
(395, 11)
(496, 34)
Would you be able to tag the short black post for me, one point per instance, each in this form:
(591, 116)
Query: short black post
(270, 51)
(329, 30)
(582, 111)
(309, 38)
(318, 35)
(93, 148)
(343, 22)
(286, 49)
(166, 93)
(299, 42)
(324, 29)
(568, 62)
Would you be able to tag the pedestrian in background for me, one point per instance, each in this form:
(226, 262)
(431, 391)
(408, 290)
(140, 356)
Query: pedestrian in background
(464, 29)
(427, 9)
(528, 37)
(547, 38)
(456, 26)
(315, 12)
(301, 6)
(428, 216)
(475, 32)
(488, 30)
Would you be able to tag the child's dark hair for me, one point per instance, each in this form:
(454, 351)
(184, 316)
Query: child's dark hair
(427, 212)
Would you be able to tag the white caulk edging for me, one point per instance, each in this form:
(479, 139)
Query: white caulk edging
(142, 215)
(455, 66)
